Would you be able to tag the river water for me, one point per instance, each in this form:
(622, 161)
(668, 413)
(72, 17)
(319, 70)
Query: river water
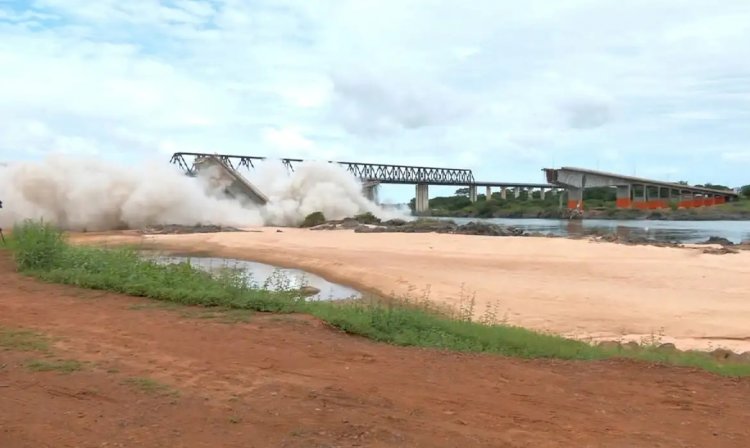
(261, 275)
(681, 231)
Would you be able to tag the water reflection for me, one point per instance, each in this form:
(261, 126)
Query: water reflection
(270, 277)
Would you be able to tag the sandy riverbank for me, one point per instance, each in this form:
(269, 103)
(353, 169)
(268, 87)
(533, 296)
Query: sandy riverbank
(575, 288)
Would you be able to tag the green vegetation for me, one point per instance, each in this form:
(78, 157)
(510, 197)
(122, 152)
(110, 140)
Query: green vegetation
(400, 322)
(367, 218)
(524, 206)
(314, 219)
(150, 386)
(598, 202)
(22, 340)
(64, 366)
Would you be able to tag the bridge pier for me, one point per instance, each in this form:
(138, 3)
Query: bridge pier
(624, 196)
(371, 192)
(422, 205)
(503, 193)
(517, 192)
(488, 194)
(473, 193)
(575, 198)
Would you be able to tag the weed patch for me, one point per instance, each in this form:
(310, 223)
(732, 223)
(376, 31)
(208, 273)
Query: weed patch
(150, 386)
(22, 340)
(63, 366)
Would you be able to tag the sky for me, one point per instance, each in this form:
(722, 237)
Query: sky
(657, 88)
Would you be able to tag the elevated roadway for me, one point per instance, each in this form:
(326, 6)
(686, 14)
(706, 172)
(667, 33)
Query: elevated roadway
(635, 192)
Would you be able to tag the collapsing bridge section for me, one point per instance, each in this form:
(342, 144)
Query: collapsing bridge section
(634, 192)
(235, 185)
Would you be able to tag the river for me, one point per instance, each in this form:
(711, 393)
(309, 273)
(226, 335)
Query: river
(681, 231)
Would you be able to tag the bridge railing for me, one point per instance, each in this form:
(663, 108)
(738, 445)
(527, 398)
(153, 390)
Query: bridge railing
(383, 173)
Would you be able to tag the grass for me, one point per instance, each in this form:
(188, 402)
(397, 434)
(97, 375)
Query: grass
(64, 366)
(150, 386)
(22, 340)
(41, 251)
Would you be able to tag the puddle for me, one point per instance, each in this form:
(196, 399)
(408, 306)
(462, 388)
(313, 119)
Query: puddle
(269, 276)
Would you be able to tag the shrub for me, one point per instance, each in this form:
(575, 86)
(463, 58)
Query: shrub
(367, 218)
(314, 219)
(40, 245)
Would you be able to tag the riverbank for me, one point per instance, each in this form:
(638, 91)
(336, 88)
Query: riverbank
(594, 209)
(575, 288)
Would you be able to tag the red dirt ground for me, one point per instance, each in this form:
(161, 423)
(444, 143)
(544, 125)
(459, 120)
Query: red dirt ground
(290, 381)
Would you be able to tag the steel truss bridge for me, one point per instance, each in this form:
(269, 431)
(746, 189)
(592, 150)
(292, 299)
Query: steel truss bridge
(369, 172)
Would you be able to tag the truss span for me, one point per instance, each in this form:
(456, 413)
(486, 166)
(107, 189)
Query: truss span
(371, 172)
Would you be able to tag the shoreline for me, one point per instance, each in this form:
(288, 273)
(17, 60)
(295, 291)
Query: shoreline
(578, 288)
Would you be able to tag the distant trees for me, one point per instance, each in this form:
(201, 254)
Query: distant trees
(714, 186)
(745, 191)
(600, 193)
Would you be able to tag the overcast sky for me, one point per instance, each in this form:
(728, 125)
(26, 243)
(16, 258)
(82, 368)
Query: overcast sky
(655, 88)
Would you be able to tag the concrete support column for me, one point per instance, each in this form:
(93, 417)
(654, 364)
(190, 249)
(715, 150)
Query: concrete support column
(489, 193)
(517, 192)
(575, 198)
(371, 193)
(473, 193)
(541, 193)
(504, 193)
(624, 196)
(422, 205)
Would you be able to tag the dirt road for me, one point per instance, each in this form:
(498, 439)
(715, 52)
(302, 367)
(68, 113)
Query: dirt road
(179, 377)
(575, 288)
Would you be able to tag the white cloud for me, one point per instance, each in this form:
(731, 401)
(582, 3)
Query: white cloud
(497, 86)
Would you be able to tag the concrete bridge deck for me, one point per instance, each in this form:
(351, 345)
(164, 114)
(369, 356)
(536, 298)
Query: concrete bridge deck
(635, 192)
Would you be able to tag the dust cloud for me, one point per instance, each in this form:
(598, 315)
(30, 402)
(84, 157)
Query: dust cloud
(95, 195)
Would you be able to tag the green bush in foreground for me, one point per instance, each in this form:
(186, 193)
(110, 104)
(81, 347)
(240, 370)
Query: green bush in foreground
(314, 219)
(42, 252)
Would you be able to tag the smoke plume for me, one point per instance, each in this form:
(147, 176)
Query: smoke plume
(88, 194)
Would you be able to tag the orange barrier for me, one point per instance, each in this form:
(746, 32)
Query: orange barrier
(624, 203)
(660, 203)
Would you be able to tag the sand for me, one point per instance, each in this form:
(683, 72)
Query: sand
(576, 288)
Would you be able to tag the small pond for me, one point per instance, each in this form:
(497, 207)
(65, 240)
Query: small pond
(269, 276)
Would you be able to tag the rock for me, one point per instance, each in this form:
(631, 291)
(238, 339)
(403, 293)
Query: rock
(279, 231)
(308, 290)
(667, 348)
(180, 229)
(367, 218)
(718, 240)
(401, 222)
(744, 358)
(609, 345)
(350, 223)
(327, 226)
(720, 250)
(721, 354)
(631, 346)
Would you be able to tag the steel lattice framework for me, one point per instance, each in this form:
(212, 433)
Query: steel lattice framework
(372, 172)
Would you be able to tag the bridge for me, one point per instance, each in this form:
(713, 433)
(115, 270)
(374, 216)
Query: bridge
(635, 192)
(373, 174)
